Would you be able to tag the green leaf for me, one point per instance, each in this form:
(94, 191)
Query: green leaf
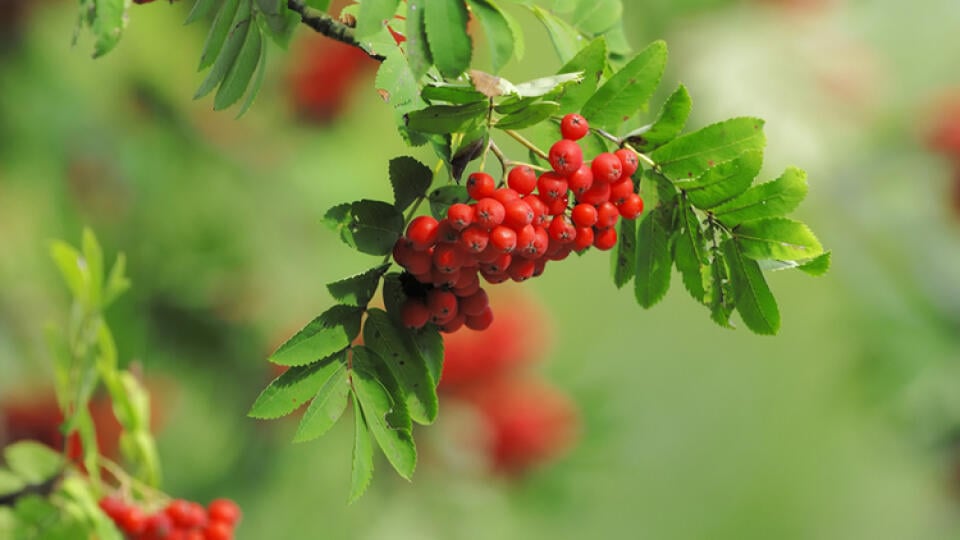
(771, 199)
(386, 416)
(221, 26)
(443, 197)
(673, 116)
(754, 301)
(777, 238)
(519, 43)
(295, 387)
(327, 406)
(690, 253)
(546, 85)
(68, 261)
(597, 16)
(723, 181)
(238, 77)
(629, 90)
(93, 261)
(10, 483)
(446, 25)
(396, 82)
(372, 16)
(327, 334)
(418, 49)
(528, 116)
(81, 493)
(497, 29)
(688, 156)
(236, 38)
(108, 25)
(201, 8)
(652, 280)
(371, 227)
(257, 83)
(816, 266)
(448, 118)
(281, 24)
(362, 471)
(410, 180)
(624, 258)
(33, 462)
(589, 61)
(429, 345)
(457, 94)
(721, 298)
(394, 345)
(117, 282)
(358, 289)
(565, 38)
(8, 522)
(393, 295)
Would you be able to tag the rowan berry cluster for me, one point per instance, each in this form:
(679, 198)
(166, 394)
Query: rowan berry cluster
(179, 520)
(511, 232)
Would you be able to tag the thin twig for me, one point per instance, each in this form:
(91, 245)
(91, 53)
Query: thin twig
(529, 145)
(328, 26)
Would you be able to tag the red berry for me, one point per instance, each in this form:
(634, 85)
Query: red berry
(584, 238)
(605, 239)
(536, 246)
(565, 157)
(521, 269)
(562, 230)
(598, 194)
(574, 127)
(442, 305)
(413, 314)
(218, 530)
(132, 520)
(490, 212)
(539, 209)
(498, 265)
(422, 232)
(558, 206)
(628, 161)
(503, 238)
(607, 215)
(179, 512)
(584, 215)
(606, 168)
(474, 239)
(480, 185)
(620, 190)
(447, 233)
(112, 506)
(448, 258)
(482, 321)
(475, 304)
(561, 252)
(505, 195)
(581, 180)
(460, 215)
(517, 214)
(158, 525)
(440, 279)
(631, 207)
(496, 278)
(454, 324)
(469, 283)
(551, 186)
(419, 262)
(522, 179)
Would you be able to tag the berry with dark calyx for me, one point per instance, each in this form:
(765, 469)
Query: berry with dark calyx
(489, 213)
(631, 207)
(562, 230)
(584, 215)
(480, 185)
(522, 179)
(565, 157)
(480, 322)
(517, 214)
(607, 215)
(503, 238)
(419, 262)
(539, 208)
(598, 194)
(606, 168)
(620, 190)
(580, 181)
(422, 232)
(442, 305)
(444, 279)
(460, 215)
(605, 239)
(521, 269)
(628, 161)
(448, 258)
(551, 186)
(474, 239)
(498, 265)
(574, 127)
(558, 206)
(454, 324)
(584, 238)
(474, 304)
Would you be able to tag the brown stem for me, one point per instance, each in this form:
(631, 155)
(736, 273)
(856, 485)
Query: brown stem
(328, 26)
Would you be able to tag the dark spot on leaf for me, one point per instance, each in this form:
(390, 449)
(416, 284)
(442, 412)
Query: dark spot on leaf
(633, 81)
(710, 163)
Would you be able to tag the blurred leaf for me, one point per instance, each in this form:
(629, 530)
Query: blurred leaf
(371, 227)
(448, 118)
(295, 387)
(817, 266)
(201, 8)
(395, 347)
(443, 197)
(83, 494)
(327, 406)
(224, 65)
(108, 23)
(596, 16)
(519, 41)
(117, 281)
(673, 116)
(690, 253)
(386, 416)
(8, 522)
(566, 40)
(327, 334)
(528, 116)
(777, 238)
(257, 83)
(358, 289)
(497, 29)
(362, 471)
(410, 180)
(624, 259)
(418, 50)
(33, 462)
(238, 77)
(589, 61)
(372, 16)
(446, 26)
(69, 262)
(93, 262)
(62, 361)
(754, 301)
(771, 199)
(653, 258)
(723, 181)
(10, 483)
(629, 90)
(457, 94)
(221, 26)
(688, 156)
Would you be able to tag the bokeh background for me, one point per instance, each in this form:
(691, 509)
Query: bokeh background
(847, 425)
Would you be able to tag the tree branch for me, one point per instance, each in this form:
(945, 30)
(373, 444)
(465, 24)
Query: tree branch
(328, 26)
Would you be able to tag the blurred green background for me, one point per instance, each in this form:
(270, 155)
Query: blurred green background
(844, 426)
